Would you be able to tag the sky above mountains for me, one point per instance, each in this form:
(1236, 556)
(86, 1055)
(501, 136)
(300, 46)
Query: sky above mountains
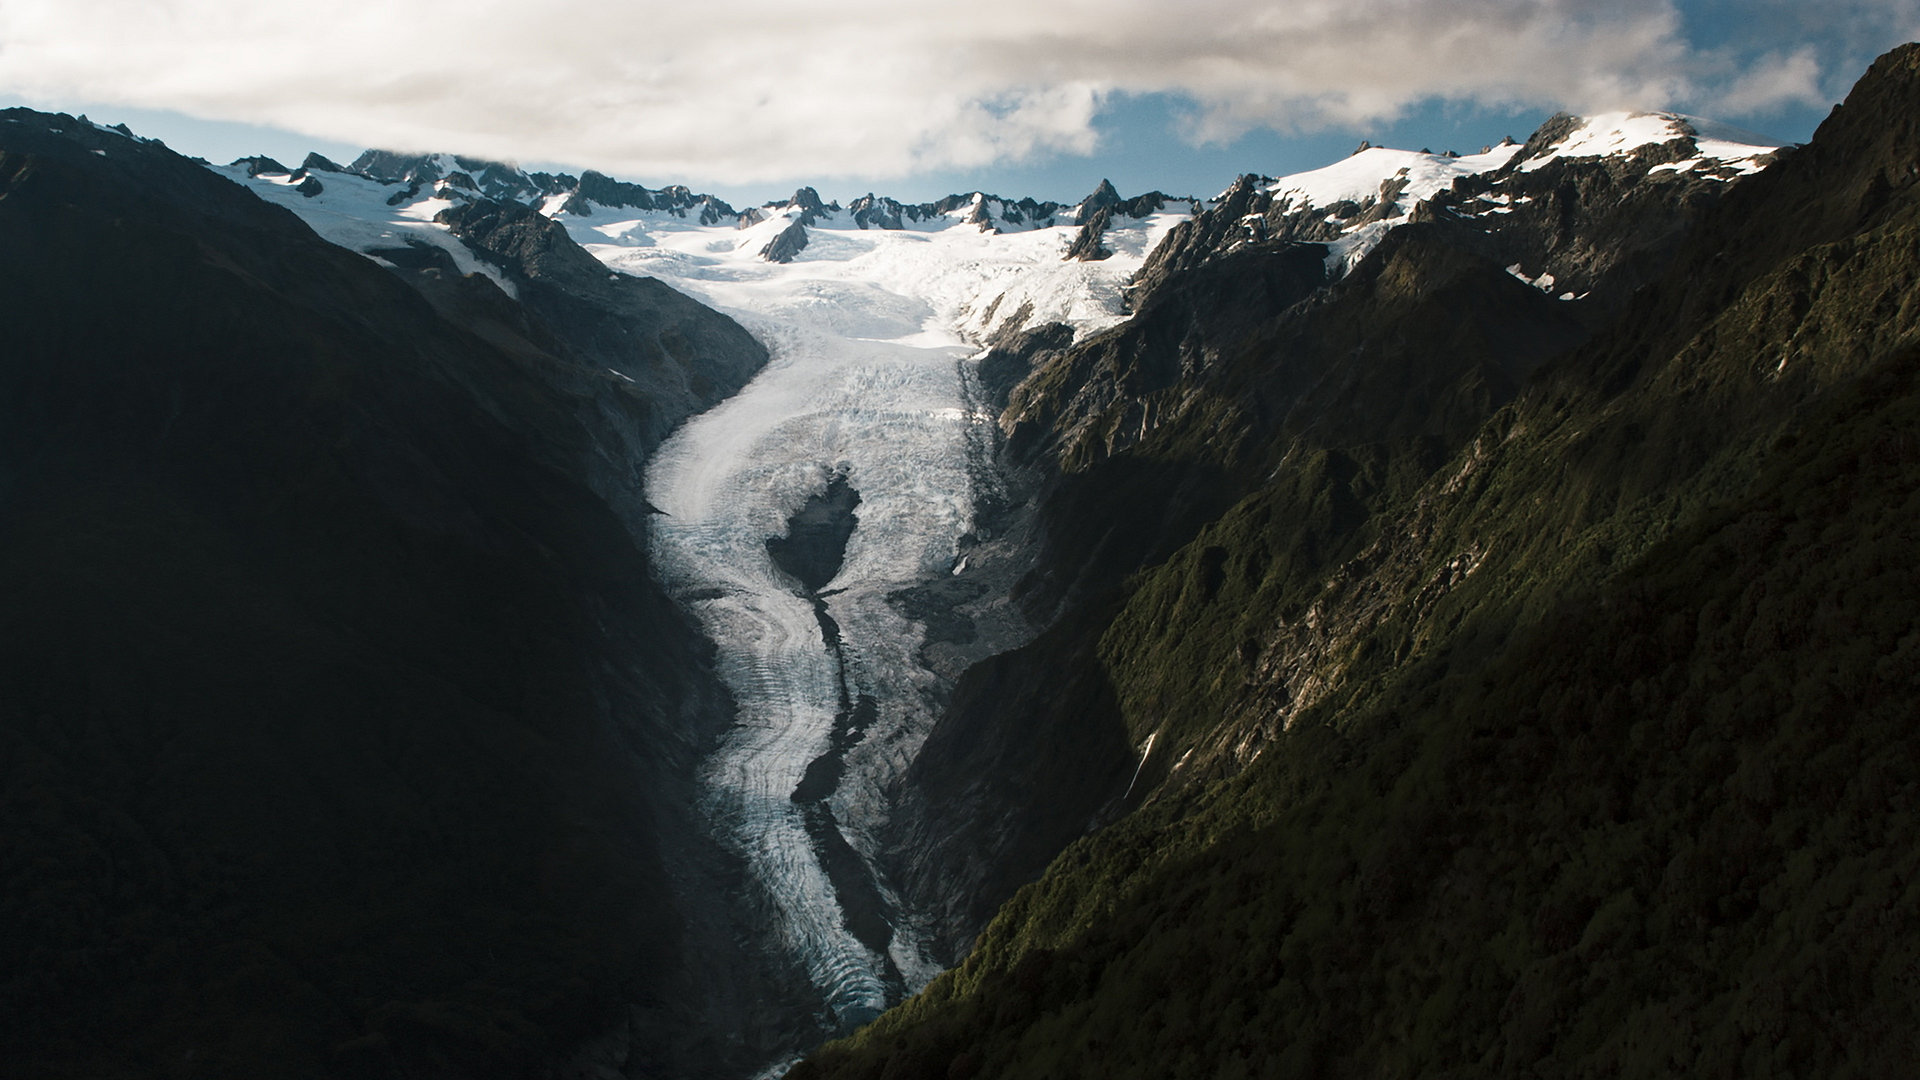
(749, 99)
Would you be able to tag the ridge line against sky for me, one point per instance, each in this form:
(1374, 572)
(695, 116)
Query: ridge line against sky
(748, 99)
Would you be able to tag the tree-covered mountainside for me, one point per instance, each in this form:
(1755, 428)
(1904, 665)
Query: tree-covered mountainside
(342, 730)
(1512, 693)
(1253, 366)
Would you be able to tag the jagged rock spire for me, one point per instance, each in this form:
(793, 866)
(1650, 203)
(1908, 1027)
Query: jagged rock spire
(1103, 198)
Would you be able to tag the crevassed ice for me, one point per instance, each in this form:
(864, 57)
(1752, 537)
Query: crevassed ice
(868, 333)
(727, 481)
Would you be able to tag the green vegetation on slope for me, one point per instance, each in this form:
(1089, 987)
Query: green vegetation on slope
(1592, 755)
(1670, 830)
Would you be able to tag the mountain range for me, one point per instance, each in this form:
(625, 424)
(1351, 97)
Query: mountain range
(1434, 615)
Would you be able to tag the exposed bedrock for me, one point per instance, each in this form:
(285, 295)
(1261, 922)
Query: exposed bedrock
(816, 542)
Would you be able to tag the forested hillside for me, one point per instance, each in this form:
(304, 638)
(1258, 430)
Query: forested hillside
(1576, 738)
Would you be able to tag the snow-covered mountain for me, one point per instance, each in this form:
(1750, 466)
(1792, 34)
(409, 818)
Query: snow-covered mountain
(1351, 204)
(980, 279)
(871, 313)
(755, 599)
(1348, 205)
(875, 314)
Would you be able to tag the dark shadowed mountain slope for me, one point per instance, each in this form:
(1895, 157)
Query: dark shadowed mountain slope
(1252, 368)
(635, 355)
(338, 715)
(1587, 751)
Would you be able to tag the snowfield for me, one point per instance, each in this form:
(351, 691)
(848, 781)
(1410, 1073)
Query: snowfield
(352, 211)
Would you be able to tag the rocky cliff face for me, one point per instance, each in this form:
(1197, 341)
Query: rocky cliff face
(1525, 711)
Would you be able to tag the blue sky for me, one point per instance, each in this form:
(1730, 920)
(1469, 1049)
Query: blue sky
(748, 99)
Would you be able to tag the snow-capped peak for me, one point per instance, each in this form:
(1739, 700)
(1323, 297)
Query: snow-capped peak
(1616, 133)
(1376, 173)
(1351, 204)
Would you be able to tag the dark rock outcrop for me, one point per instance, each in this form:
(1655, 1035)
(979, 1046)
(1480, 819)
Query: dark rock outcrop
(320, 163)
(1104, 197)
(389, 167)
(871, 212)
(1086, 246)
(982, 214)
(807, 201)
(607, 191)
(787, 246)
(1011, 358)
(1097, 214)
(1215, 231)
(262, 166)
(1550, 133)
(816, 542)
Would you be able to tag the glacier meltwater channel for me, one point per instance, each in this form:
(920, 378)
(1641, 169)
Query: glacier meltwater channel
(870, 334)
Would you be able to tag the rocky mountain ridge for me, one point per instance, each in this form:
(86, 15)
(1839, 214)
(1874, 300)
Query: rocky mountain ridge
(1250, 358)
(1475, 709)
(459, 178)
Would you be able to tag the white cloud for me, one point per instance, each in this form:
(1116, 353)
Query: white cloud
(743, 91)
(1771, 82)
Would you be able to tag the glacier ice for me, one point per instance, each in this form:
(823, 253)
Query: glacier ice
(869, 332)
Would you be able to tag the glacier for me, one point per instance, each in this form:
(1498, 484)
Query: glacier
(872, 333)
